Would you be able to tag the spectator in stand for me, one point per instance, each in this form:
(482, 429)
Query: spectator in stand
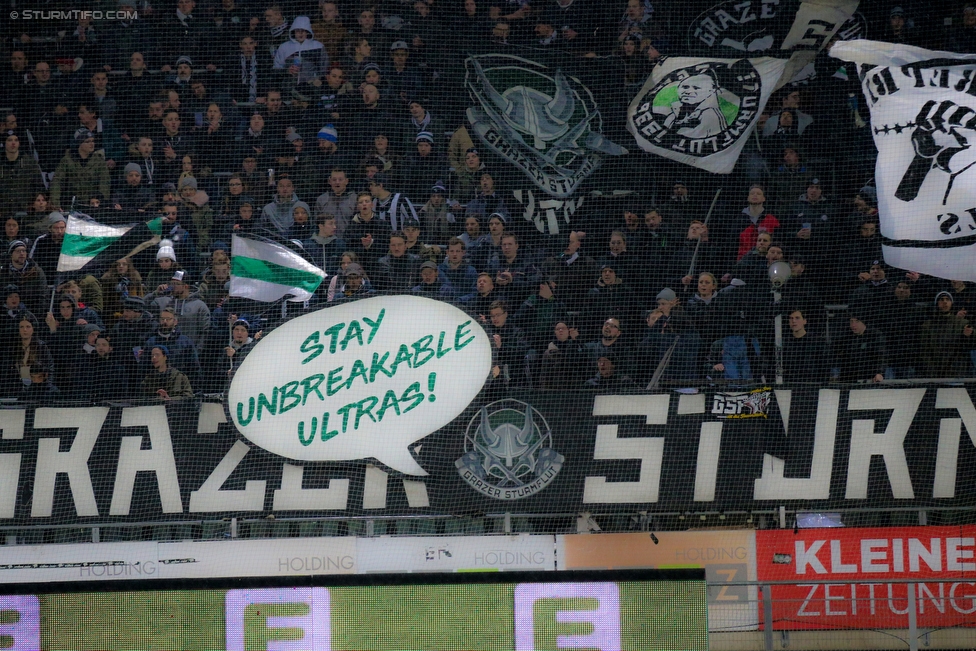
(133, 196)
(432, 283)
(462, 276)
(33, 364)
(488, 200)
(789, 181)
(468, 178)
(946, 339)
(278, 213)
(813, 223)
(301, 228)
(183, 353)
(301, 57)
(368, 236)
(20, 176)
(805, 357)
(478, 303)
(82, 176)
(46, 249)
(165, 382)
(870, 297)
(695, 253)
(902, 320)
(355, 285)
(104, 377)
(668, 328)
(573, 272)
(338, 200)
(753, 220)
(861, 354)
(508, 348)
(325, 247)
(398, 271)
(609, 380)
(564, 361)
(610, 344)
(537, 316)
(438, 221)
(27, 275)
(193, 313)
(118, 283)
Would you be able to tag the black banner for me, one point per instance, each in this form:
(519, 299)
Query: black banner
(530, 453)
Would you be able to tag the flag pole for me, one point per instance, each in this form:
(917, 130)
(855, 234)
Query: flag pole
(694, 257)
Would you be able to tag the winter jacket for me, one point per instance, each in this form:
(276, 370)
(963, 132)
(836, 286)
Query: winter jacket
(176, 384)
(944, 347)
(20, 181)
(80, 180)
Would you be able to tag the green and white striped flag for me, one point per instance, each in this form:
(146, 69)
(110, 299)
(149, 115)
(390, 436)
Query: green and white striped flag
(263, 271)
(83, 240)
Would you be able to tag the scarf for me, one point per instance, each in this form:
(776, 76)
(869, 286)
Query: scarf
(249, 76)
(423, 124)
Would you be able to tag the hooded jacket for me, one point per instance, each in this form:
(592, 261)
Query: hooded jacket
(309, 55)
(278, 213)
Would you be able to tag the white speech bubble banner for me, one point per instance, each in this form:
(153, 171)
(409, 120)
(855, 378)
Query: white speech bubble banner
(360, 380)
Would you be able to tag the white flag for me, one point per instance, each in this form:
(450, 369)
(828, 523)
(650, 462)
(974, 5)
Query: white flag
(264, 271)
(700, 111)
(923, 116)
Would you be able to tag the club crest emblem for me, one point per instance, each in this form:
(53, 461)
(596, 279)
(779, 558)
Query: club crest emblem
(508, 451)
(542, 120)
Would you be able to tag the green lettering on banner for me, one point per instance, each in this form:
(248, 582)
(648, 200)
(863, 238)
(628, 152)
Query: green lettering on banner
(374, 326)
(334, 379)
(358, 370)
(355, 331)
(263, 403)
(460, 332)
(309, 387)
(390, 401)
(403, 356)
(289, 390)
(344, 412)
(312, 345)
(377, 366)
(422, 345)
(440, 346)
(334, 333)
(363, 410)
(250, 412)
(326, 434)
(412, 394)
(301, 432)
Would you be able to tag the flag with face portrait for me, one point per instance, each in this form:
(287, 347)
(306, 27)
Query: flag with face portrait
(923, 117)
(700, 111)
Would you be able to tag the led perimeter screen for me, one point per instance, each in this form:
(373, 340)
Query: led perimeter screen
(613, 611)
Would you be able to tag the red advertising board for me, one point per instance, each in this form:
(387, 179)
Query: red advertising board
(840, 576)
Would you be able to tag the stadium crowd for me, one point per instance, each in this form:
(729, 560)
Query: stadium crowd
(339, 128)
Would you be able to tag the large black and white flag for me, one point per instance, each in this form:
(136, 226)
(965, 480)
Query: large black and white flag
(923, 116)
(700, 111)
